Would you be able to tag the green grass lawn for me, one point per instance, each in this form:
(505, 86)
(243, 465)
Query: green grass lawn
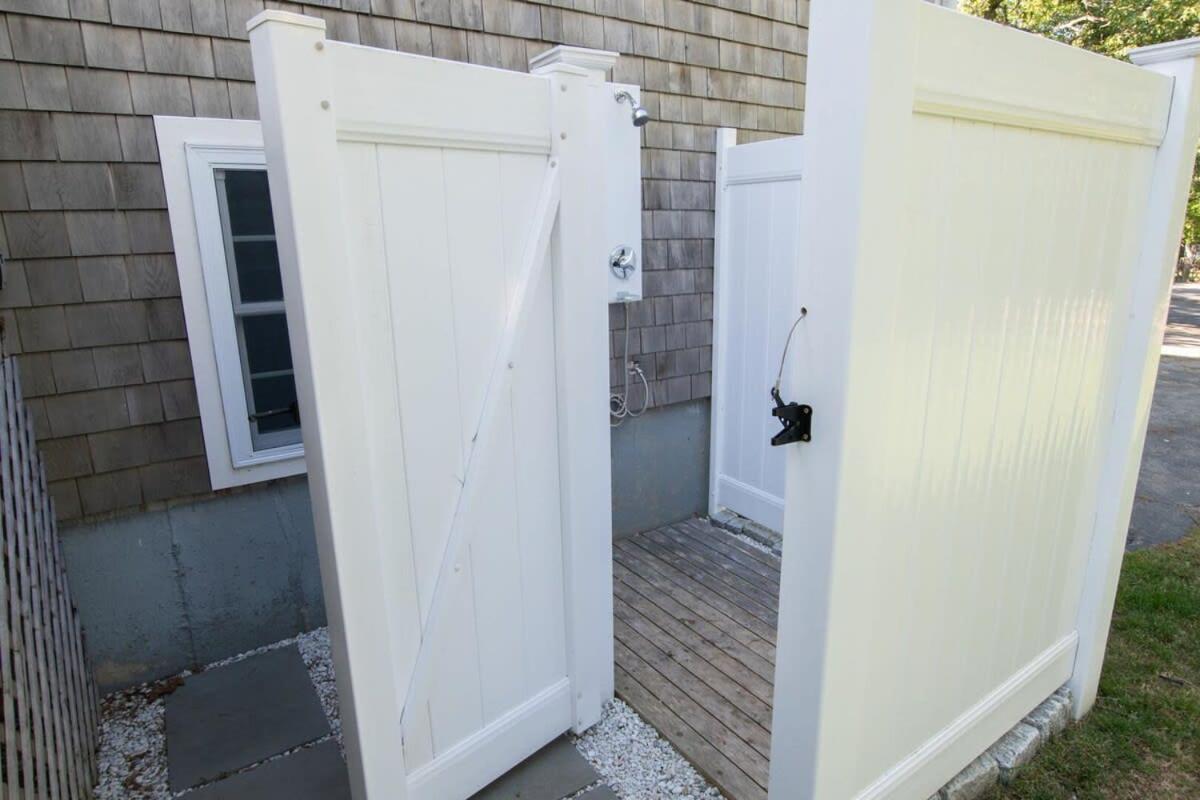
(1142, 738)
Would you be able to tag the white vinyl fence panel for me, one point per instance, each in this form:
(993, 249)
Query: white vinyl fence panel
(758, 248)
(452, 376)
(990, 223)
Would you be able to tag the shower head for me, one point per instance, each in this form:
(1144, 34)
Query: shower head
(640, 115)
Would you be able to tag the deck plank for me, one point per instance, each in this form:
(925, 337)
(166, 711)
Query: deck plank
(695, 615)
(705, 528)
(706, 553)
(706, 620)
(729, 573)
(723, 709)
(650, 565)
(700, 662)
(709, 577)
(754, 673)
(711, 729)
(708, 760)
(721, 541)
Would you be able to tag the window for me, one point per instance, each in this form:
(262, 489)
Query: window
(256, 287)
(224, 235)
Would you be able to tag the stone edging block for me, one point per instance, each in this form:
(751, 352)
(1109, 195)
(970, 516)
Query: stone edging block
(1001, 762)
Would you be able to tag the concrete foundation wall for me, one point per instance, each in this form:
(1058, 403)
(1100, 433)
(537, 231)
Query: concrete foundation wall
(166, 590)
(161, 591)
(660, 467)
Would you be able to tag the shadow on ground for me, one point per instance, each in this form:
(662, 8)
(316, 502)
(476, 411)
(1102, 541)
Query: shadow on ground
(1167, 504)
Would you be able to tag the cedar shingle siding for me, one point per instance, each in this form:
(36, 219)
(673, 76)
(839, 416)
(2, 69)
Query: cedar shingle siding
(92, 295)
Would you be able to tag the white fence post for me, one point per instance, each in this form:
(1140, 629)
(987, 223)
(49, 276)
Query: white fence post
(858, 121)
(1139, 358)
(725, 139)
(581, 334)
(295, 89)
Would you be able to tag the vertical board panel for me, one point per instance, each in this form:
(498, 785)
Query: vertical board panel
(48, 703)
(1057, 322)
(534, 443)
(496, 555)
(440, 234)
(375, 286)
(417, 241)
(756, 303)
(479, 267)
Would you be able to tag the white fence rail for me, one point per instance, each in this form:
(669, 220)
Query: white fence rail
(48, 701)
(990, 224)
(758, 247)
(435, 220)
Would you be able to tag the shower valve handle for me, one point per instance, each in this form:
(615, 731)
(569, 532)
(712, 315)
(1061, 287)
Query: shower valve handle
(622, 261)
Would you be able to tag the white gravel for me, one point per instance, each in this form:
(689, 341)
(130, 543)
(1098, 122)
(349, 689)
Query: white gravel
(752, 542)
(133, 746)
(314, 649)
(638, 763)
(627, 752)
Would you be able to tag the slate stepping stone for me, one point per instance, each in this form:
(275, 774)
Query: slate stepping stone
(225, 719)
(552, 773)
(315, 773)
(599, 793)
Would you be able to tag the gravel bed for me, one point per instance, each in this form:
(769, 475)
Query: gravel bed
(133, 745)
(314, 649)
(627, 752)
(637, 762)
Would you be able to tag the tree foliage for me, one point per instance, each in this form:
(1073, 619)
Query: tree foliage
(1112, 27)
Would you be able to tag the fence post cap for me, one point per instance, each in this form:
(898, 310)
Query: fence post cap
(275, 15)
(594, 61)
(1166, 51)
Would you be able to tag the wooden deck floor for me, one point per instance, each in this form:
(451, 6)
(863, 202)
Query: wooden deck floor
(695, 618)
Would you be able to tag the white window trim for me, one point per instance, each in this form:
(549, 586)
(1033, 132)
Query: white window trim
(189, 150)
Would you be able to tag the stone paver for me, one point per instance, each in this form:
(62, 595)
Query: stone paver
(556, 771)
(315, 773)
(599, 793)
(1016, 749)
(1052, 716)
(228, 718)
(1167, 504)
(976, 778)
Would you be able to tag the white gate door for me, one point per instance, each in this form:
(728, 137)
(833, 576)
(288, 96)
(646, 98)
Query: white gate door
(758, 258)
(991, 221)
(446, 289)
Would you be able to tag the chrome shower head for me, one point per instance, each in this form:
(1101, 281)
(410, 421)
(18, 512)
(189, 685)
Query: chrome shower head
(640, 115)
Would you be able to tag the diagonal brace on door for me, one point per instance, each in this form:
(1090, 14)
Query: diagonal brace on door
(533, 260)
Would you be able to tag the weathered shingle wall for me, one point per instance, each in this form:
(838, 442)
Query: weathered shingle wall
(92, 299)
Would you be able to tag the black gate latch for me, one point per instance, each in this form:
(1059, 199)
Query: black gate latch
(795, 418)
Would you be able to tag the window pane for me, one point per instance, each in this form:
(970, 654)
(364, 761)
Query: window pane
(257, 271)
(267, 348)
(249, 202)
(271, 394)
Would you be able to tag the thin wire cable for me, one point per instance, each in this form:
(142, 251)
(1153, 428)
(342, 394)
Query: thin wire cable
(786, 345)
